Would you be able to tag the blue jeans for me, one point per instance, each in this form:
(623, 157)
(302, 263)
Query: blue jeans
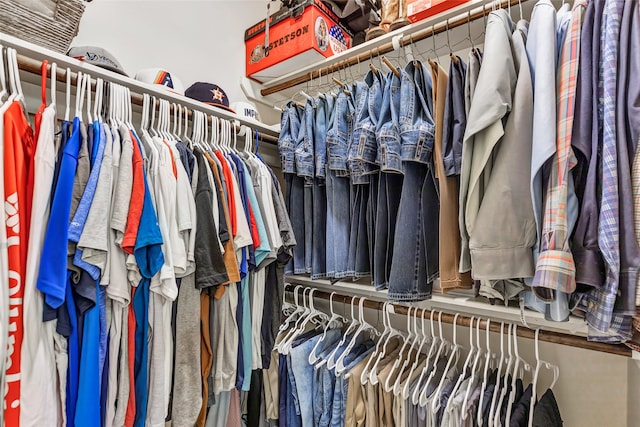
(389, 192)
(358, 264)
(339, 135)
(304, 374)
(415, 262)
(338, 224)
(319, 241)
(293, 406)
(296, 209)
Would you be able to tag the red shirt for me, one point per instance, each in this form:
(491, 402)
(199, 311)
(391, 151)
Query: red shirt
(18, 142)
(231, 198)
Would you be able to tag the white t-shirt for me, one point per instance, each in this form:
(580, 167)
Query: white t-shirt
(38, 361)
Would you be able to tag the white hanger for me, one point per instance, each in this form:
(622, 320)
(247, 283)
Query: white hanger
(54, 81)
(89, 104)
(444, 344)
(405, 390)
(364, 376)
(330, 360)
(144, 117)
(474, 371)
(401, 356)
(393, 332)
(466, 366)
(418, 337)
(98, 101)
(129, 110)
(294, 332)
(497, 404)
(516, 374)
(364, 326)
(333, 320)
(539, 364)
(415, 398)
(455, 354)
(489, 356)
(299, 312)
(79, 93)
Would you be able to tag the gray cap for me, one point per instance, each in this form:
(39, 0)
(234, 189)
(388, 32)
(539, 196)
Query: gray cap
(96, 56)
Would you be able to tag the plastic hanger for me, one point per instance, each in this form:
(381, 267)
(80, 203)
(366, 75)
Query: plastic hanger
(364, 376)
(415, 397)
(79, 92)
(98, 101)
(423, 400)
(335, 319)
(453, 359)
(401, 356)
(412, 356)
(405, 390)
(496, 401)
(364, 327)
(466, 366)
(393, 332)
(54, 81)
(474, 371)
(488, 357)
(88, 94)
(539, 364)
(304, 319)
(289, 333)
(515, 374)
(330, 360)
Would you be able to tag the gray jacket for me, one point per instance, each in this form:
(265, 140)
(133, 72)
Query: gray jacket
(496, 210)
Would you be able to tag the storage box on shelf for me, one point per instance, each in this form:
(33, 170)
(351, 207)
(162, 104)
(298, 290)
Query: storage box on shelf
(52, 24)
(417, 10)
(297, 37)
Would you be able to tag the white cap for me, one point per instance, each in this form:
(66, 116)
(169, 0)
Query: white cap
(161, 77)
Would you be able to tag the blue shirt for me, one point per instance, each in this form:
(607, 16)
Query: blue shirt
(52, 274)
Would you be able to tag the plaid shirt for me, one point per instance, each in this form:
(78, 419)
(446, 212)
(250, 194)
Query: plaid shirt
(601, 301)
(555, 268)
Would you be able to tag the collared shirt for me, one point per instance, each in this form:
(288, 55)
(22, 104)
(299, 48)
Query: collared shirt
(555, 268)
(541, 50)
(600, 307)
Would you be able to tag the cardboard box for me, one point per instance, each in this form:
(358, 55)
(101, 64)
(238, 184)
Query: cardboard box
(417, 10)
(297, 37)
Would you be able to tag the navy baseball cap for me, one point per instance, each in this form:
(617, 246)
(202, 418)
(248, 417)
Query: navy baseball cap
(209, 93)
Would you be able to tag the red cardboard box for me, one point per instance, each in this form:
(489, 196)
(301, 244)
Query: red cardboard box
(418, 10)
(297, 37)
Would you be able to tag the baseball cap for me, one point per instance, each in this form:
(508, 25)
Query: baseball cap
(96, 56)
(246, 109)
(209, 93)
(161, 77)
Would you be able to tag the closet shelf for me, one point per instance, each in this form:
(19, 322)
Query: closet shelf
(572, 333)
(440, 23)
(30, 57)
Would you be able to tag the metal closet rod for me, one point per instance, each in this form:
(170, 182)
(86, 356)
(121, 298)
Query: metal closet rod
(388, 47)
(33, 66)
(548, 336)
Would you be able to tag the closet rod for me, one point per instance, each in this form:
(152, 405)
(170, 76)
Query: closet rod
(548, 336)
(388, 47)
(33, 66)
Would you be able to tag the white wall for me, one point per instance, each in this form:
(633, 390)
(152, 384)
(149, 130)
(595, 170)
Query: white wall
(193, 40)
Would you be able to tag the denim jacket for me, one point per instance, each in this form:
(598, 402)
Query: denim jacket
(387, 129)
(339, 136)
(289, 128)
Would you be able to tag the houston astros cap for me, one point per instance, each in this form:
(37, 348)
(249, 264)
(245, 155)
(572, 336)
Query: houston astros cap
(161, 77)
(96, 56)
(209, 93)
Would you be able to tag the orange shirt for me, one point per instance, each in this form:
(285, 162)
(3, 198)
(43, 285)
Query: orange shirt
(137, 200)
(17, 137)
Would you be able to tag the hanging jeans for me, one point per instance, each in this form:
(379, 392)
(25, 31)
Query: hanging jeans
(416, 238)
